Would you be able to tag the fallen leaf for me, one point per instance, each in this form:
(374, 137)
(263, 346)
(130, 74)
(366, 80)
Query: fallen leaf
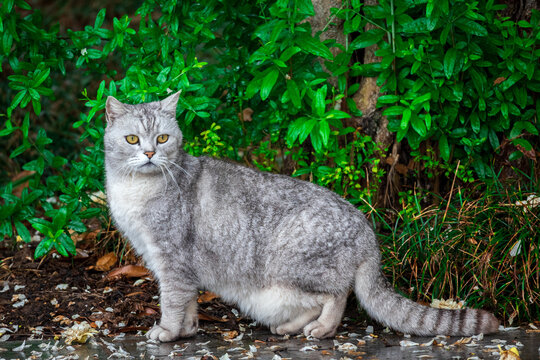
(512, 354)
(229, 335)
(206, 297)
(407, 343)
(130, 271)
(80, 333)
(149, 311)
(106, 262)
(208, 317)
(462, 341)
(447, 304)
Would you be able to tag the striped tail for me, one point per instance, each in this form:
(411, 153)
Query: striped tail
(389, 308)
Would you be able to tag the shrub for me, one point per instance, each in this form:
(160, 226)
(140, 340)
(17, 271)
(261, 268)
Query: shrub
(455, 75)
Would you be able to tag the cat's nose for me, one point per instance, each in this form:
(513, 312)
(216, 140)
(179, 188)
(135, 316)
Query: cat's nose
(149, 154)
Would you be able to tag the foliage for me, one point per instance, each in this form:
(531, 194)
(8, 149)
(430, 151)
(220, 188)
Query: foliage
(266, 91)
(482, 249)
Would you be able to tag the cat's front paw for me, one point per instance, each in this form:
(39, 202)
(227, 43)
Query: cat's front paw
(161, 334)
(319, 330)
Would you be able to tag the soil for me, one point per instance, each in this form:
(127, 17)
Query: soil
(62, 291)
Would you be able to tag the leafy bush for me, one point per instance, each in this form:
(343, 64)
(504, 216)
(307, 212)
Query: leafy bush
(456, 75)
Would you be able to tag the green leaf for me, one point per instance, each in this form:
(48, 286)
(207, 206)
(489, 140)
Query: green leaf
(22, 231)
(444, 148)
(512, 79)
(268, 83)
(393, 111)
(43, 248)
(316, 139)
(421, 99)
(289, 52)
(45, 229)
(59, 220)
(519, 126)
(418, 125)
(306, 129)
(19, 150)
(388, 99)
(40, 78)
(294, 94)
(525, 144)
(367, 38)
(67, 243)
(475, 122)
(313, 46)
(450, 62)
(99, 18)
(471, 27)
(319, 104)
(324, 130)
(407, 113)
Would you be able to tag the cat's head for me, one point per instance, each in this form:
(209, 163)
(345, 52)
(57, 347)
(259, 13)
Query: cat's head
(142, 138)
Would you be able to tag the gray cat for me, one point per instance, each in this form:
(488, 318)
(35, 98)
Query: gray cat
(286, 251)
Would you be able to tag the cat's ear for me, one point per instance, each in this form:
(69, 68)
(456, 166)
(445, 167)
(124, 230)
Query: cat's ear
(169, 104)
(114, 109)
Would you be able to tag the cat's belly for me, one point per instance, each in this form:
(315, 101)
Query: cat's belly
(273, 305)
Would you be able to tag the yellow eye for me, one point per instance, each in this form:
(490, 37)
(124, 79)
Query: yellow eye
(132, 139)
(162, 138)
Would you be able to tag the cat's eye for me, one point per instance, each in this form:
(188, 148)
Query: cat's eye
(132, 139)
(162, 138)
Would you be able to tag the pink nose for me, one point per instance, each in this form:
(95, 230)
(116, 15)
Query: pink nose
(149, 154)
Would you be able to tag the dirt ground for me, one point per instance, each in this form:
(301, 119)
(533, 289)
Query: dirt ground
(42, 298)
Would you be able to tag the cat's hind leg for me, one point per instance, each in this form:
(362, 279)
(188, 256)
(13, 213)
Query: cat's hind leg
(327, 323)
(295, 325)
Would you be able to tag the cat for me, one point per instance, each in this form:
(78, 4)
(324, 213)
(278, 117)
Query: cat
(287, 252)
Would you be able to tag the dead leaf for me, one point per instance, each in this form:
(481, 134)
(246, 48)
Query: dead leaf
(229, 335)
(130, 271)
(512, 354)
(246, 114)
(326, 352)
(208, 317)
(499, 80)
(402, 169)
(149, 311)
(207, 297)
(447, 304)
(80, 333)
(106, 262)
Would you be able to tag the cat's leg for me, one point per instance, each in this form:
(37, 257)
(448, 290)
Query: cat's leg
(295, 325)
(191, 319)
(327, 323)
(178, 315)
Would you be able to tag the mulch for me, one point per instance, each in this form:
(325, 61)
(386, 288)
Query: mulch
(43, 297)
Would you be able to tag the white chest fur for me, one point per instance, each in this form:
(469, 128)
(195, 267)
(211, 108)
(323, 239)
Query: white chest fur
(127, 202)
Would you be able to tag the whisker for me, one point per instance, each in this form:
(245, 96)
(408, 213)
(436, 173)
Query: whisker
(178, 166)
(172, 176)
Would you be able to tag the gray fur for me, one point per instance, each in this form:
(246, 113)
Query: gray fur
(287, 252)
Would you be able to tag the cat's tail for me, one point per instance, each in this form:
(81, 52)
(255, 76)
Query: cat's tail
(382, 303)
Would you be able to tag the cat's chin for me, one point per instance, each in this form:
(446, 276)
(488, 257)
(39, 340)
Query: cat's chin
(148, 168)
